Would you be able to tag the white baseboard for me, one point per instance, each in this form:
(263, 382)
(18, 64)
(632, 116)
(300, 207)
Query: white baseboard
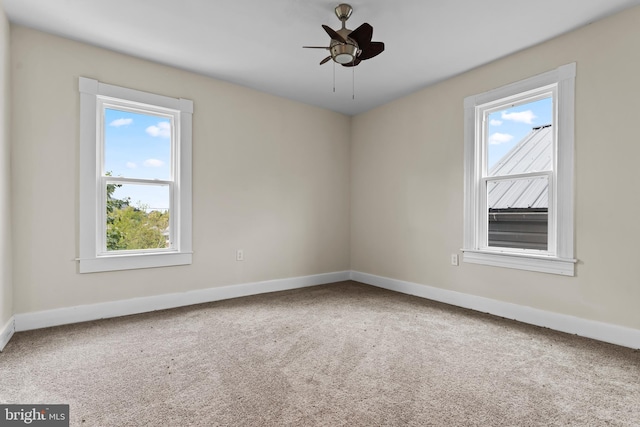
(7, 332)
(84, 313)
(606, 332)
(614, 334)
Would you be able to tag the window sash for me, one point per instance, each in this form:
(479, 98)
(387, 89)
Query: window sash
(483, 215)
(482, 115)
(173, 116)
(482, 177)
(101, 237)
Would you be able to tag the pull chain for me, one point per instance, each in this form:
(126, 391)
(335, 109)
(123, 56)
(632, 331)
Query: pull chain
(353, 82)
(334, 76)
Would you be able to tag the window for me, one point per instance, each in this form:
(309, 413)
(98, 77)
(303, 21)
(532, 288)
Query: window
(135, 179)
(519, 174)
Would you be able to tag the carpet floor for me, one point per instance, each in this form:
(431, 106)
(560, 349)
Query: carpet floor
(344, 354)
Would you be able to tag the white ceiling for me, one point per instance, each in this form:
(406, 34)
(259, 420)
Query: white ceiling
(258, 43)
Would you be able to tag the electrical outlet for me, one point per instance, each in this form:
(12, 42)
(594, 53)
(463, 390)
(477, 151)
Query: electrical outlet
(454, 259)
(239, 255)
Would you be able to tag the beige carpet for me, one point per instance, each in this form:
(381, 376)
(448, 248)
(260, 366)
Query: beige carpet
(344, 354)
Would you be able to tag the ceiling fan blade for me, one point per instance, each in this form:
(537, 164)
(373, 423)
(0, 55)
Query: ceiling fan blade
(316, 47)
(374, 49)
(325, 60)
(362, 35)
(333, 34)
(352, 64)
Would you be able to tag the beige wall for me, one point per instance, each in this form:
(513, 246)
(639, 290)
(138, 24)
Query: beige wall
(6, 286)
(407, 180)
(271, 177)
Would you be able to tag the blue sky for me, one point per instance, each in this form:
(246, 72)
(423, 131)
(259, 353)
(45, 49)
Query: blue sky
(138, 146)
(507, 127)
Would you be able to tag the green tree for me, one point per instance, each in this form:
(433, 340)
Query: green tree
(115, 238)
(140, 229)
(130, 227)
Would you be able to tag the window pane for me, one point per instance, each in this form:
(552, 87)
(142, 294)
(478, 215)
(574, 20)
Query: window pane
(520, 139)
(137, 217)
(137, 145)
(518, 213)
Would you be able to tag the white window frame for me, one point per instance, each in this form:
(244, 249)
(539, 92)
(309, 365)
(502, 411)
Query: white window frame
(558, 258)
(93, 256)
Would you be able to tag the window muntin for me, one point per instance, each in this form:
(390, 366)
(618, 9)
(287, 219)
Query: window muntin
(482, 172)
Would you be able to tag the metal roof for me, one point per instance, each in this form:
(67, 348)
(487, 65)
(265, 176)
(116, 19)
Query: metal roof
(532, 153)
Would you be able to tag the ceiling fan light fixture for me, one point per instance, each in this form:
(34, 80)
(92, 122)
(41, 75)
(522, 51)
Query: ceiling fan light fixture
(343, 58)
(343, 53)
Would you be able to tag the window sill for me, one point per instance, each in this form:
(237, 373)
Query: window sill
(133, 261)
(543, 264)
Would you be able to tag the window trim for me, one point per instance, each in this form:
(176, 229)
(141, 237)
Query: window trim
(91, 258)
(560, 259)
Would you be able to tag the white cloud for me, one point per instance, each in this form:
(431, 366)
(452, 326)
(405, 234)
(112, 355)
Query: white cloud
(131, 165)
(163, 130)
(499, 138)
(120, 122)
(153, 163)
(495, 122)
(520, 116)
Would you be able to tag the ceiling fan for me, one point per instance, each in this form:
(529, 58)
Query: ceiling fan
(349, 47)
